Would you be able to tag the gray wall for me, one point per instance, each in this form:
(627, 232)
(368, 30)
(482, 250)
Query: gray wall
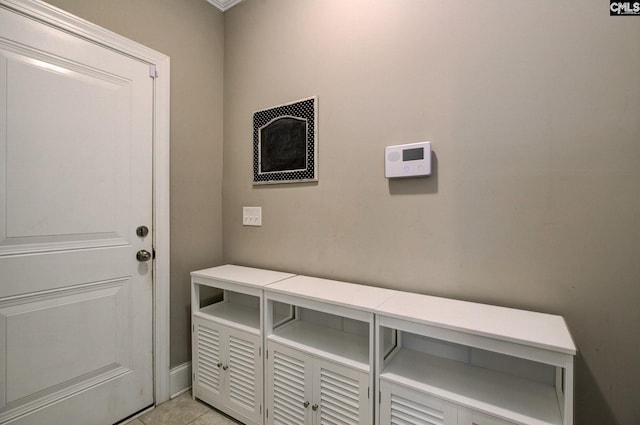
(533, 111)
(191, 33)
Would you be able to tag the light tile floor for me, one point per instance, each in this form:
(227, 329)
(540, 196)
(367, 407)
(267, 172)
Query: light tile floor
(183, 410)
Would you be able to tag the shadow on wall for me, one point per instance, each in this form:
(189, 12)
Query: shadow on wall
(281, 185)
(591, 407)
(417, 185)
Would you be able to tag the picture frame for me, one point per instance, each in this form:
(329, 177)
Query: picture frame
(285, 143)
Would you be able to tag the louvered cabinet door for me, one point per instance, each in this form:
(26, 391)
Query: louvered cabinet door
(402, 406)
(341, 394)
(289, 389)
(244, 374)
(207, 367)
(471, 417)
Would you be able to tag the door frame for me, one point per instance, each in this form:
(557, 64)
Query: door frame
(43, 12)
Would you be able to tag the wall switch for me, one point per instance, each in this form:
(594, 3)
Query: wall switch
(252, 216)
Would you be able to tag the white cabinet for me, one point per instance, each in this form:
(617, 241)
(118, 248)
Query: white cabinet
(305, 389)
(494, 365)
(227, 360)
(401, 405)
(280, 349)
(227, 371)
(320, 360)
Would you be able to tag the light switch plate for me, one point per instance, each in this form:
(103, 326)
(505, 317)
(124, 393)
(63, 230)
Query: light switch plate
(252, 216)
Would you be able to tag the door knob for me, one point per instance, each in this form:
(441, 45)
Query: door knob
(305, 404)
(143, 255)
(314, 407)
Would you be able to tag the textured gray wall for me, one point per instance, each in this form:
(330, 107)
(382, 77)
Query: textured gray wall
(533, 111)
(191, 33)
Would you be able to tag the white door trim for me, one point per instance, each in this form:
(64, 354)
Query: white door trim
(58, 18)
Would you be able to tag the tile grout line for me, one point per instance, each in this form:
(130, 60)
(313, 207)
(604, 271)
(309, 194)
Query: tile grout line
(195, 419)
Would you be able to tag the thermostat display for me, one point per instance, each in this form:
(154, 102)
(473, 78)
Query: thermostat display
(413, 154)
(410, 160)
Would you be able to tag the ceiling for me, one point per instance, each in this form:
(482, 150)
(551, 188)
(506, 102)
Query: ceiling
(224, 4)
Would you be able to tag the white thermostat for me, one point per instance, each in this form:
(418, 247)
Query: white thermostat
(410, 160)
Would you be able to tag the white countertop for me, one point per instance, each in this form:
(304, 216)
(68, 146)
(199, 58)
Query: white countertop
(247, 276)
(344, 294)
(525, 327)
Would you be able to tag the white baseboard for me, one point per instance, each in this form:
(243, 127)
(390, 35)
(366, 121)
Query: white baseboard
(180, 379)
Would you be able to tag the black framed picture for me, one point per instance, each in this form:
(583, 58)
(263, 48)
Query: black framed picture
(285, 143)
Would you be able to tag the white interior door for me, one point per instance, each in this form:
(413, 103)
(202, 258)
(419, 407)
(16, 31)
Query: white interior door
(75, 183)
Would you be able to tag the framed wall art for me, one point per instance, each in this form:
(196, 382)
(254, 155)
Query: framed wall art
(285, 143)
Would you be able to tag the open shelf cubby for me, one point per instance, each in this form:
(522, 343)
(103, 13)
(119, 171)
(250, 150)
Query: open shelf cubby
(329, 319)
(476, 360)
(340, 339)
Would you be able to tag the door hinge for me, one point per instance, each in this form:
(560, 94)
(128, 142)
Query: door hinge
(261, 409)
(153, 73)
(193, 328)
(259, 351)
(267, 413)
(267, 353)
(380, 397)
(368, 393)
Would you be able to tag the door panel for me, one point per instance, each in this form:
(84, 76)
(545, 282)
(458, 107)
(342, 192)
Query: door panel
(75, 182)
(341, 393)
(68, 132)
(227, 369)
(400, 405)
(245, 374)
(83, 161)
(50, 357)
(289, 390)
(207, 368)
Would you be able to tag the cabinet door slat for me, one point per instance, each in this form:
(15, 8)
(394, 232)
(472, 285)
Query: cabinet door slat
(339, 399)
(413, 409)
(242, 372)
(288, 390)
(208, 373)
